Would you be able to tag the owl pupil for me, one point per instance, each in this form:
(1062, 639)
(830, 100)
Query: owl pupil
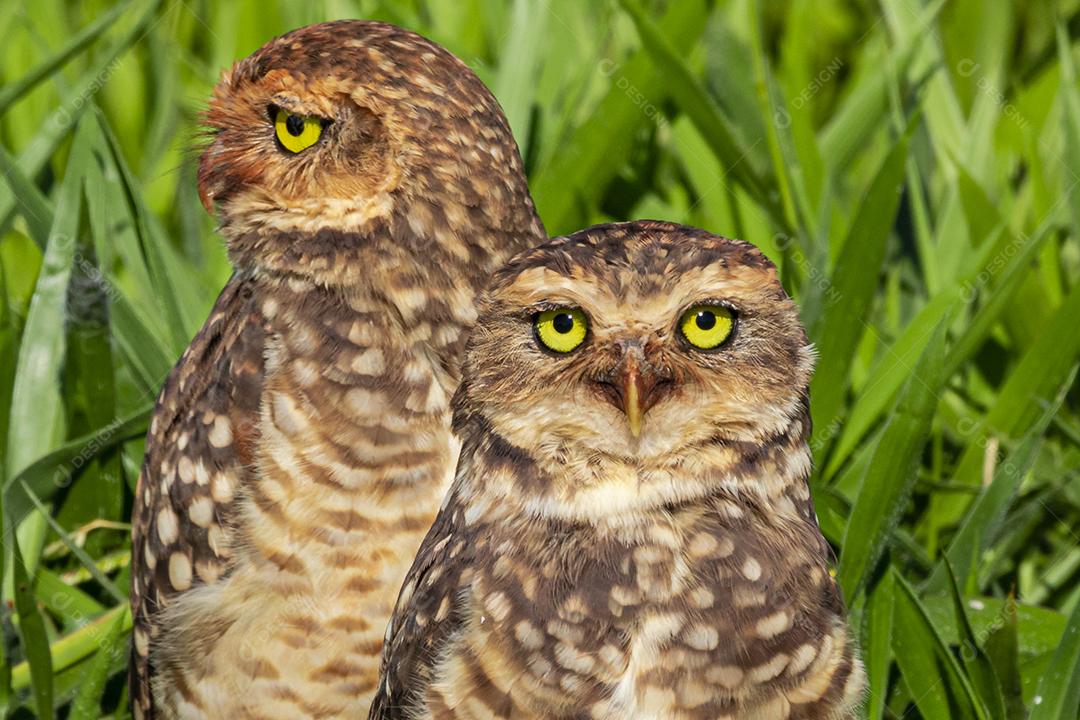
(295, 125)
(705, 320)
(563, 323)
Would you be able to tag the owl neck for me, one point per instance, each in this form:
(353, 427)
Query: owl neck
(767, 478)
(417, 247)
(421, 290)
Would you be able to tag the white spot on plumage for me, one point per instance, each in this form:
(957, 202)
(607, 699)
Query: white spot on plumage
(221, 433)
(772, 625)
(168, 527)
(179, 571)
(201, 511)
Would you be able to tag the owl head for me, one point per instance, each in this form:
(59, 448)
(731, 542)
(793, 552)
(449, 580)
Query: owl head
(341, 132)
(642, 345)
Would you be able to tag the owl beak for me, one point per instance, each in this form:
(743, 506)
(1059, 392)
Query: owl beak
(636, 387)
(632, 404)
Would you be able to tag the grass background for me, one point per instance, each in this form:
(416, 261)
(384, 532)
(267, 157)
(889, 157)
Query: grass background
(914, 168)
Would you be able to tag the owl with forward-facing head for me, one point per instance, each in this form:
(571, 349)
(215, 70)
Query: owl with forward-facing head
(630, 533)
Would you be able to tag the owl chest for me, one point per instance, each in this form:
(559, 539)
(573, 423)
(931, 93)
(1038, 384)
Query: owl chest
(354, 427)
(688, 626)
(353, 455)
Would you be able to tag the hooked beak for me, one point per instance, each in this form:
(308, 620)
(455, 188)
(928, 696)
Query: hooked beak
(636, 387)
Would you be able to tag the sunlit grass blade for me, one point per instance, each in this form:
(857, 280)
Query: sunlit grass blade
(35, 643)
(885, 380)
(87, 561)
(10, 93)
(786, 169)
(1070, 121)
(865, 109)
(61, 121)
(36, 402)
(886, 486)
(54, 471)
(87, 704)
(515, 83)
(702, 110)
(565, 189)
(74, 647)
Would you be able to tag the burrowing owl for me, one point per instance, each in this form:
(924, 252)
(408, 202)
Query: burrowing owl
(366, 184)
(630, 532)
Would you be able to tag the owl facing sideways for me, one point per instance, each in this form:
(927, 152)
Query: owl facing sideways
(630, 532)
(367, 184)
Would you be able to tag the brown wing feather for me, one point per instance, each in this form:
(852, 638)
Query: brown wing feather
(422, 622)
(197, 453)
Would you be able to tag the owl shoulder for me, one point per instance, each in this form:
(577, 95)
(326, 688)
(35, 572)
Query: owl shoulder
(430, 609)
(198, 450)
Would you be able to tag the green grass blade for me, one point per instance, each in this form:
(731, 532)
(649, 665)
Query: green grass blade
(73, 648)
(1059, 692)
(148, 356)
(937, 683)
(987, 514)
(34, 207)
(53, 472)
(852, 286)
(889, 375)
(35, 642)
(866, 108)
(887, 484)
(1003, 648)
(1013, 271)
(60, 122)
(176, 297)
(36, 406)
(73, 606)
(566, 187)
(877, 645)
(979, 670)
(1039, 629)
(81, 554)
(1070, 121)
(515, 84)
(702, 110)
(1030, 387)
(87, 704)
(11, 93)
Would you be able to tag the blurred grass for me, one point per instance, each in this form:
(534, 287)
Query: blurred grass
(913, 168)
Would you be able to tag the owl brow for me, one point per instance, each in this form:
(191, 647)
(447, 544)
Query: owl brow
(294, 106)
(722, 302)
(542, 305)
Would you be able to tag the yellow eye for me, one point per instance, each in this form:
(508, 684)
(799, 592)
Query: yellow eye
(561, 330)
(296, 132)
(707, 326)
